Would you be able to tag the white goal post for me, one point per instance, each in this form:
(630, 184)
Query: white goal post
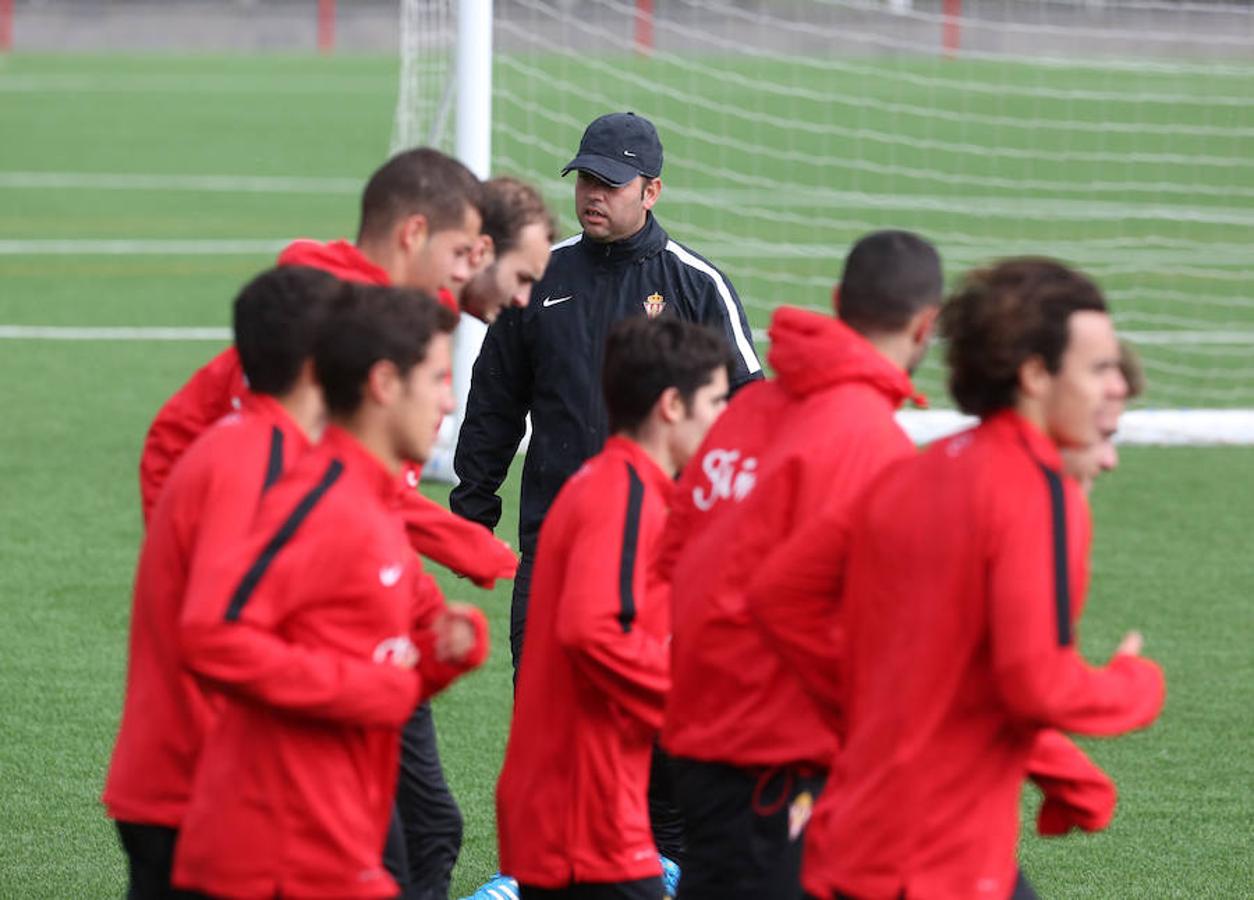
(1113, 134)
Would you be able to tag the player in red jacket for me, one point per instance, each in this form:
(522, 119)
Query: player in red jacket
(751, 747)
(206, 508)
(962, 573)
(420, 227)
(321, 630)
(572, 813)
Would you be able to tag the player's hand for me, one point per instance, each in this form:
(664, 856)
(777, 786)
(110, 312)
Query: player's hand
(454, 635)
(1131, 644)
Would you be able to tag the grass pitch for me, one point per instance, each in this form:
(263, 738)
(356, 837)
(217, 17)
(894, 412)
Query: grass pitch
(1172, 553)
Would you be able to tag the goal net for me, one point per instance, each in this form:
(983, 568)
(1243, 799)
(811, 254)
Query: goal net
(1117, 135)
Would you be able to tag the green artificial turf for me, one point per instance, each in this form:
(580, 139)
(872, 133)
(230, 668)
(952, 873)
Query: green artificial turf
(1172, 554)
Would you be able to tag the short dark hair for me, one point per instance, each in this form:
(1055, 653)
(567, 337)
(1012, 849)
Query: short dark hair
(1002, 316)
(366, 324)
(888, 277)
(276, 319)
(510, 205)
(644, 357)
(423, 182)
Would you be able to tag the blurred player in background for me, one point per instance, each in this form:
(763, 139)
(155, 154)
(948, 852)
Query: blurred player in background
(572, 807)
(1084, 464)
(517, 233)
(206, 508)
(322, 631)
(751, 746)
(962, 572)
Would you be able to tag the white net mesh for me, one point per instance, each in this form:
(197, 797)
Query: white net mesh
(1116, 135)
(424, 103)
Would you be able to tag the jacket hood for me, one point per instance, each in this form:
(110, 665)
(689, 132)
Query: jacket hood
(811, 352)
(339, 258)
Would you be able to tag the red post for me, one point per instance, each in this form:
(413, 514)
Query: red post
(6, 26)
(644, 27)
(326, 26)
(951, 27)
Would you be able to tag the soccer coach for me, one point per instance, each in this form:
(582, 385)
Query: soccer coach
(545, 359)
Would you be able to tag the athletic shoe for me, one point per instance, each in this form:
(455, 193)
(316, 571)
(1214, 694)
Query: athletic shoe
(498, 887)
(670, 876)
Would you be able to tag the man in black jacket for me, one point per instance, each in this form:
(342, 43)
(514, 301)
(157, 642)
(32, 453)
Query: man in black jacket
(546, 359)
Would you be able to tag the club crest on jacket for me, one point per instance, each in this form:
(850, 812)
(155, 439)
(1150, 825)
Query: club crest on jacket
(653, 305)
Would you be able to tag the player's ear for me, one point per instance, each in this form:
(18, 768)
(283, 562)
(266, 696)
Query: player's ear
(412, 232)
(652, 190)
(922, 324)
(1035, 379)
(670, 406)
(383, 383)
(483, 253)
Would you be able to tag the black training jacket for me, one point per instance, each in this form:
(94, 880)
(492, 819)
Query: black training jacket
(545, 360)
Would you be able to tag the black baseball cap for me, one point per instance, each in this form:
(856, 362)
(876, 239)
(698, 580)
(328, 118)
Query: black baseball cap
(617, 147)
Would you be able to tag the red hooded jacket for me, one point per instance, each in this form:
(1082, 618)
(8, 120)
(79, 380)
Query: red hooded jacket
(571, 803)
(311, 630)
(205, 511)
(961, 574)
(219, 387)
(810, 438)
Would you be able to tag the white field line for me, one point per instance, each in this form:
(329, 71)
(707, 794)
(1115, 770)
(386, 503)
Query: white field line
(783, 196)
(140, 247)
(190, 84)
(233, 184)
(112, 333)
(1117, 262)
(1158, 427)
(1198, 427)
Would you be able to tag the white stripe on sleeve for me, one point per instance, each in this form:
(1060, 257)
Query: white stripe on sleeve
(733, 314)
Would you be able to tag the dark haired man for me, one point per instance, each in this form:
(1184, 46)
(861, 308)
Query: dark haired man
(572, 810)
(322, 632)
(419, 225)
(751, 746)
(206, 507)
(545, 360)
(961, 574)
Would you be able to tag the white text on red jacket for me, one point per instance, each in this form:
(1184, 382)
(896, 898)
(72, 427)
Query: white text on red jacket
(731, 478)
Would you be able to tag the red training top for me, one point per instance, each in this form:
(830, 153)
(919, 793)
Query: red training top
(205, 510)
(311, 630)
(219, 387)
(964, 572)
(810, 438)
(572, 800)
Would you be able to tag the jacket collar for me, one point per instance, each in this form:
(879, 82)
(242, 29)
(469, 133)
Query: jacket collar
(648, 241)
(654, 478)
(359, 462)
(811, 352)
(339, 258)
(271, 410)
(1007, 425)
